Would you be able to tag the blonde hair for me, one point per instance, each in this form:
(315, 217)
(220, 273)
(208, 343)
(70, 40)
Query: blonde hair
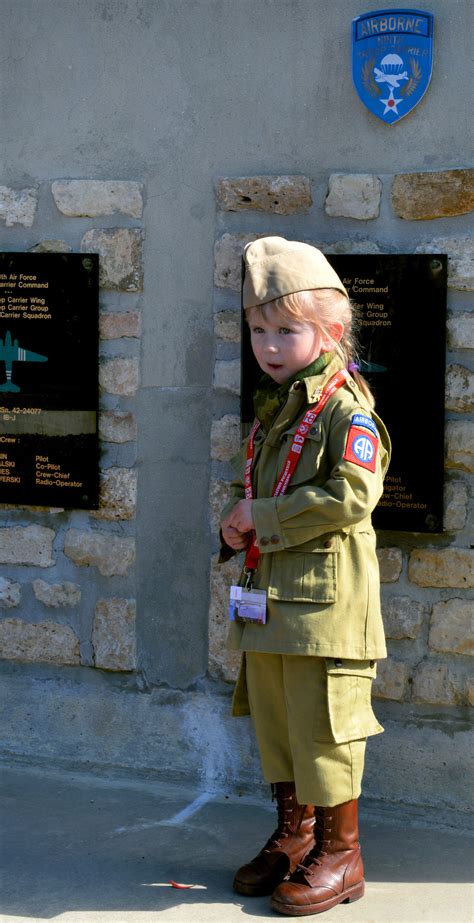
(322, 308)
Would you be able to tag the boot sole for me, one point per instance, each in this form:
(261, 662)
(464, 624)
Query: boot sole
(302, 910)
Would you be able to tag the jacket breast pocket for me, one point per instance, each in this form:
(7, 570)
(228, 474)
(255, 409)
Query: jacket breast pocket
(308, 573)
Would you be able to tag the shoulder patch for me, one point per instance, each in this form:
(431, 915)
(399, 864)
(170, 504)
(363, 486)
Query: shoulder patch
(361, 447)
(359, 419)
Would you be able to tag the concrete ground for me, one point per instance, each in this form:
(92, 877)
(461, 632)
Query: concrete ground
(83, 849)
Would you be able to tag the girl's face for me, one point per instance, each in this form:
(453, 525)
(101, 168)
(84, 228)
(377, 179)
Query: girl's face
(282, 346)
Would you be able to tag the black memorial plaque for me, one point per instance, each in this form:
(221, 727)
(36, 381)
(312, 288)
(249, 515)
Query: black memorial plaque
(49, 379)
(400, 301)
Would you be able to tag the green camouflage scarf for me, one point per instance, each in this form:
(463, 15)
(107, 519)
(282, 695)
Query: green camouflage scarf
(269, 396)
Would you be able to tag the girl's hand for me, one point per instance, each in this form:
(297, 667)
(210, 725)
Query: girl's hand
(235, 539)
(241, 517)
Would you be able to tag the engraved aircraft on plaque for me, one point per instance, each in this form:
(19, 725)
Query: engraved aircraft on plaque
(11, 352)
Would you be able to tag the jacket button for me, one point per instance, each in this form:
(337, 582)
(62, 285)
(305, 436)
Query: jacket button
(275, 539)
(264, 540)
(328, 544)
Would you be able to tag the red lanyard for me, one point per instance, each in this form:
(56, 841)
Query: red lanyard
(293, 457)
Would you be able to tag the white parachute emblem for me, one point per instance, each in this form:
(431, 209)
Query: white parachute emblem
(392, 71)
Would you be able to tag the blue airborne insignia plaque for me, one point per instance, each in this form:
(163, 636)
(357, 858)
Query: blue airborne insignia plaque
(392, 60)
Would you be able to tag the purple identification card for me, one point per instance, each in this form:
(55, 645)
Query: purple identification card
(247, 605)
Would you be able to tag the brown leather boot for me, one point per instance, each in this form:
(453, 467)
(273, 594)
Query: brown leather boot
(332, 872)
(286, 847)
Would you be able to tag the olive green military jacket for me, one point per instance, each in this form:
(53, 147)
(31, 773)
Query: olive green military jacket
(317, 544)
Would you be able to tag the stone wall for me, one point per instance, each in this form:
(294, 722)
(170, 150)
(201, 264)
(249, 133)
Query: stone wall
(427, 581)
(68, 585)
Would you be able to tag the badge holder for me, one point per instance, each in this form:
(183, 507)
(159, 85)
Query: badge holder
(247, 604)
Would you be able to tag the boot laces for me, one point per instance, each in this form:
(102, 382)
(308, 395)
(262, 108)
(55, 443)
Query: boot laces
(286, 819)
(322, 838)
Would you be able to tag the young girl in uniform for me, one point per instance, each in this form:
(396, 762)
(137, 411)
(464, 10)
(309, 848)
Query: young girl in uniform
(307, 480)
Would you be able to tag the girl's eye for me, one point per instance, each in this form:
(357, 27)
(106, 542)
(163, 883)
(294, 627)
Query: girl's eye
(285, 330)
(256, 330)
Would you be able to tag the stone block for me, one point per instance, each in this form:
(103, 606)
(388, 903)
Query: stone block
(442, 567)
(120, 252)
(455, 506)
(227, 375)
(459, 389)
(219, 493)
(225, 437)
(441, 194)
(113, 634)
(282, 195)
(353, 195)
(32, 642)
(91, 198)
(227, 326)
(432, 684)
(390, 564)
(118, 494)
(460, 445)
(451, 626)
(119, 376)
(110, 553)
(57, 594)
(461, 330)
(222, 662)
(51, 246)
(27, 545)
(10, 593)
(114, 326)
(228, 252)
(391, 681)
(460, 251)
(117, 426)
(348, 246)
(402, 617)
(18, 206)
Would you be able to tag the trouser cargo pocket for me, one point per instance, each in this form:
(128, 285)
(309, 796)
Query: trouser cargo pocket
(348, 689)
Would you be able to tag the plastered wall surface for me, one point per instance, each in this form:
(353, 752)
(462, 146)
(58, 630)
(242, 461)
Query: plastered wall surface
(173, 96)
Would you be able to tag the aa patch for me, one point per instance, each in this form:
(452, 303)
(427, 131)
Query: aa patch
(361, 448)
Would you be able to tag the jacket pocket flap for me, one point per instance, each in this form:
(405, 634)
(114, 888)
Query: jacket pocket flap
(324, 544)
(314, 434)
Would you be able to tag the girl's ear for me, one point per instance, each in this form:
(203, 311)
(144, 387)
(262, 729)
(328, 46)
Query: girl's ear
(333, 336)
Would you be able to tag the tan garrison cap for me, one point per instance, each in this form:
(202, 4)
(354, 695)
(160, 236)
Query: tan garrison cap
(275, 267)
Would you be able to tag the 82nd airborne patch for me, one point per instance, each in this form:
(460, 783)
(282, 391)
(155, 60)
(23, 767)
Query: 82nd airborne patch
(361, 447)
(392, 60)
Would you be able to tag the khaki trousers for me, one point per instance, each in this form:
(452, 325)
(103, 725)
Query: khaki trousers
(312, 716)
